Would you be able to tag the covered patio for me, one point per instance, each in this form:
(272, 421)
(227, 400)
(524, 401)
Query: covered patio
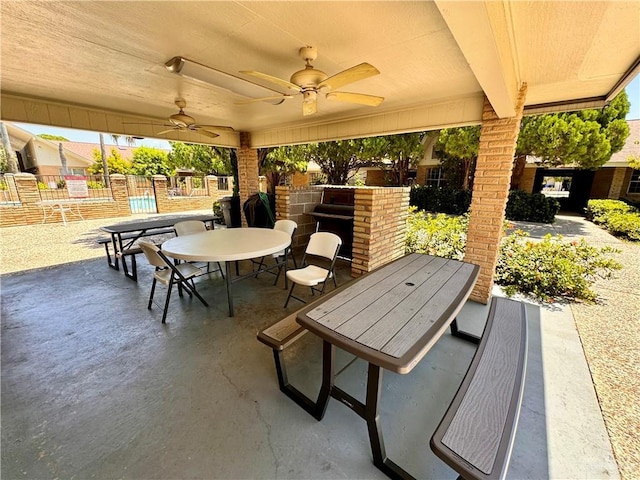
(95, 386)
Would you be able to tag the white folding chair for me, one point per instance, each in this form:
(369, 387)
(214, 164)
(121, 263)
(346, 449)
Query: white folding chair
(189, 227)
(289, 227)
(169, 274)
(321, 245)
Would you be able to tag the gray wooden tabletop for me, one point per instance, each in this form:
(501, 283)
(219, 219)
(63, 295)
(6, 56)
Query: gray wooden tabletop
(392, 316)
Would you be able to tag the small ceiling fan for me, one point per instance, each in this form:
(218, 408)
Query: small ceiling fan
(309, 82)
(182, 122)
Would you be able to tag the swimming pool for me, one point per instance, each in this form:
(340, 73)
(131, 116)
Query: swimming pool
(142, 204)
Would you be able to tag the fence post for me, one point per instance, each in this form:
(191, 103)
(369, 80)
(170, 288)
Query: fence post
(27, 190)
(120, 193)
(161, 192)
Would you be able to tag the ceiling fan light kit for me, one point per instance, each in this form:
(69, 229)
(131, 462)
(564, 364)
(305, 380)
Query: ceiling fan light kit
(203, 73)
(310, 81)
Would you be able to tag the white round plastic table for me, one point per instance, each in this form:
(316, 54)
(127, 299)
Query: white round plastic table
(227, 245)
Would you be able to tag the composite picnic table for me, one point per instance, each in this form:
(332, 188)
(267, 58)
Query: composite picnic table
(124, 235)
(390, 317)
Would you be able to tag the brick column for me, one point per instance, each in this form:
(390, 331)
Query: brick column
(617, 182)
(120, 193)
(379, 227)
(490, 190)
(27, 189)
(249, 183)
(162, 194)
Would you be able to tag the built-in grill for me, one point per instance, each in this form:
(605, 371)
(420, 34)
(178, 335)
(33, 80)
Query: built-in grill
(335, 215)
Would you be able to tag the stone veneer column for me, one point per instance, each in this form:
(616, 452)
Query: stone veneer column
(617, 182)
(161, 193)
(498, 137)
(27, 188)
(248, 179)
(120, 194)
(379, 227)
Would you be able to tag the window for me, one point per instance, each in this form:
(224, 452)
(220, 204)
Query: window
(435, 178)
(634, 183)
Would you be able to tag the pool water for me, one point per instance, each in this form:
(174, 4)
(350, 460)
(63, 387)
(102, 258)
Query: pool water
(142, 204)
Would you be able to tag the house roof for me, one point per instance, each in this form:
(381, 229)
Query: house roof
(631, 146)
(85, 149)
(100, 66)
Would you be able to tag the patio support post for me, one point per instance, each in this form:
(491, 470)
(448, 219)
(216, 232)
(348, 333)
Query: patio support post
(248, 179)
(498, 137)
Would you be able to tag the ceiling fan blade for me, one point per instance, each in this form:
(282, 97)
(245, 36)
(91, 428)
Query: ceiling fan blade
(207, 133)
(264, 99)
(276, 80)
(213, 128)
(167, 131)
(309, 108)
(350, 75)
(360, 98)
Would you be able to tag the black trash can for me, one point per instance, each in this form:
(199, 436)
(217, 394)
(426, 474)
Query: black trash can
(231, 211)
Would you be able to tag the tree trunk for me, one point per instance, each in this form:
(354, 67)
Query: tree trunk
(105, 166)
(12, 161)
(63, 159)
(518, 171)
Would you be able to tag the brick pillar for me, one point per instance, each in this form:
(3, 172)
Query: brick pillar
(249, 183)
(162, 193)
(211, 184)
(617, 182)
(120, 193)
(379, 227)
(528, 179)
(27, 189)
(491, 183)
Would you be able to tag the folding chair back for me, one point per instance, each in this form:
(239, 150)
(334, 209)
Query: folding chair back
(323, 244)
(151, 252)
(187, 227)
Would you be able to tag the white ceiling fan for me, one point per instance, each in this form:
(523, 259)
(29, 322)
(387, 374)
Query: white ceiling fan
(182, 122)
(309, 82)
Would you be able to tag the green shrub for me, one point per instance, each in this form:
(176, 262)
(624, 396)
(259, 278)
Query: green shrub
(531, 207)
(440, 199)
(624, 224)
(92, 184)
(598, 210)
(552, 268)
(439, 234)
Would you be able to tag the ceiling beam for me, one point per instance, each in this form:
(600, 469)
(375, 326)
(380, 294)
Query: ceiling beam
(481, 30)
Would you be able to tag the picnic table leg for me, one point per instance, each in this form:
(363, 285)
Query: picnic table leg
(372, 417)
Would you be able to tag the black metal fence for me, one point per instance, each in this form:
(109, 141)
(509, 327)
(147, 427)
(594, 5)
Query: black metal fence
(187, 186)
(60, 187)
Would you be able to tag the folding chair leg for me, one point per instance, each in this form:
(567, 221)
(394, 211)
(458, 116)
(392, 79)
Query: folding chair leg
(166, 303)
(153, 289)
(289, 296)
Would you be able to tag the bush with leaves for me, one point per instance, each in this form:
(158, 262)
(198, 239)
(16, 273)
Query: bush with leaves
(440, 234)
(440, 199)
(531, 207)
(552, 268)
(598, 210)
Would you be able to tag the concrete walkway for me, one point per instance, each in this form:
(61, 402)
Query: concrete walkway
(94, 386)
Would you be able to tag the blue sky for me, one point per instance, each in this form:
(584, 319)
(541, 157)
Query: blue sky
(633, 92)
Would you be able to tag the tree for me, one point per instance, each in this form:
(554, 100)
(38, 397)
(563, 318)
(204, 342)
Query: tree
(63, 159)
(458, 152)
(339, 160)
(149, 161)
(203, 159)
(115, 162)
(276, 163)
(10, 158)
(395, 154)
(55, 138)
(586, 138)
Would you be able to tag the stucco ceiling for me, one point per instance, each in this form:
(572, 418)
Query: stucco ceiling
(100, 65)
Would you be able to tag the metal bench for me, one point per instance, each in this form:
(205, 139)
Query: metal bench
(476, 435)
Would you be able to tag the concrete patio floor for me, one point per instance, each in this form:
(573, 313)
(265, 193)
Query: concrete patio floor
(94, 386)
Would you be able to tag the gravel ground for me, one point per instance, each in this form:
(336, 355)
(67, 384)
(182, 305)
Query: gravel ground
(609, 329)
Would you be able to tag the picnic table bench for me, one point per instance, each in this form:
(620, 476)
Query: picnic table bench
(124, 235)
(475, 436)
